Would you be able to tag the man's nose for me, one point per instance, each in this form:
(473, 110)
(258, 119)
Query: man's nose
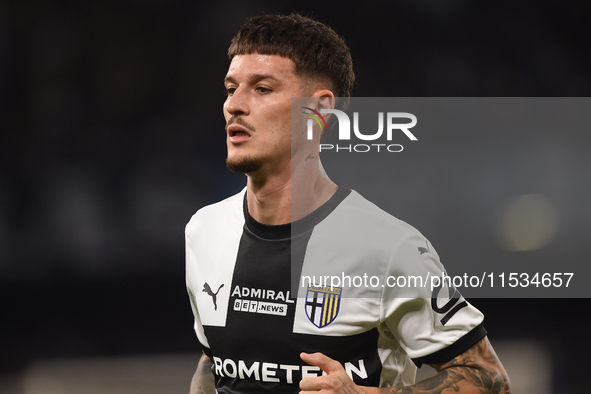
(236, 104)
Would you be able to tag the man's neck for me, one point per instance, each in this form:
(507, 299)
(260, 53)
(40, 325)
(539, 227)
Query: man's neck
(284, 199)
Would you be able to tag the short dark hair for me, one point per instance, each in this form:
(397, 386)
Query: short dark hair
(317, 51)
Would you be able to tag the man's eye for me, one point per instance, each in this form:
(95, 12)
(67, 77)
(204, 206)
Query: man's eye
(229, 91)
(263, 90)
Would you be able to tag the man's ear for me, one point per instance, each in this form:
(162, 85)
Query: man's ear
(326, 102)
(326, 99)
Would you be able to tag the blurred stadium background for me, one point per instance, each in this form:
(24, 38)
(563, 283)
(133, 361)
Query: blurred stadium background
(112, 137)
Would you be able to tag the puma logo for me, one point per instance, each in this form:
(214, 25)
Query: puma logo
(424, 250)
(214, 296)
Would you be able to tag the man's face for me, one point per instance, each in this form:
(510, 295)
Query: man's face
(258, 112)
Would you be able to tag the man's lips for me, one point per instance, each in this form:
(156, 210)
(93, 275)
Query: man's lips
(237, 133)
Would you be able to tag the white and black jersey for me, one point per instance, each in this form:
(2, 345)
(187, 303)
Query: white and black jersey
(254, 326)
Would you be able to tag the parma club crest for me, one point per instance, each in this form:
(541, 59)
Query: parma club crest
(322, 304)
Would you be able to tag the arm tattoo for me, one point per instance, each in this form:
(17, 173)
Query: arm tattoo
(478, 370)
(203, 380)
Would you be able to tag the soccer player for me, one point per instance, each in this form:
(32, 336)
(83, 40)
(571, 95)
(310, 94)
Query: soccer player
(243, 252)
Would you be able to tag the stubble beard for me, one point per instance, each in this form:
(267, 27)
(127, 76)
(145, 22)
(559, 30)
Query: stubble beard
(244, 165)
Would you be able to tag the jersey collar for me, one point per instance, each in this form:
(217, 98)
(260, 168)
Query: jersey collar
(290, 230)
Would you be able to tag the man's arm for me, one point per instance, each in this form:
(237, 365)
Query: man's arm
(476, 371)
(203, 381)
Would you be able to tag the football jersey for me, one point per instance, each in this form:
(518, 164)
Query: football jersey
(259, 299)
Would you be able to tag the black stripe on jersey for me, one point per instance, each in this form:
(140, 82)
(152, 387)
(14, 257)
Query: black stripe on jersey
(455, 349)
(298, 233)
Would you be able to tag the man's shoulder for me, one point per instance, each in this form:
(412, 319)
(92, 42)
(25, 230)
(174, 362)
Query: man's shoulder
(362, 223)
(221, 212)
(359, 209)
